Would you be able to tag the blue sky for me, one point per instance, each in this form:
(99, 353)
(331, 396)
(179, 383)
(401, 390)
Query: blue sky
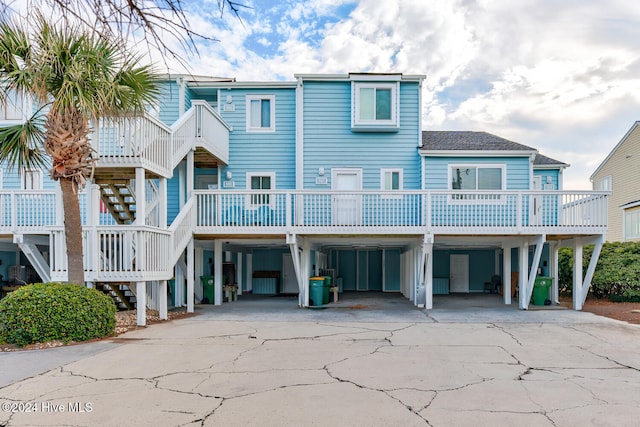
(563, 77)
(559, 76)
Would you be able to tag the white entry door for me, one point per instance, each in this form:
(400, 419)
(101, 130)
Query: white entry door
(459, 273)
(346, 208)
(289, 281)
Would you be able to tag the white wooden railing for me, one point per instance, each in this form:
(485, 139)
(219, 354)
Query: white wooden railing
(127, 141)
(437, 211)
(27, 210)
(181, 230)
(146, 141)
(117, 253)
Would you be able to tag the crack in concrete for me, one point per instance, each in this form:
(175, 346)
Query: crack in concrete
(505, 331)
(633, 368)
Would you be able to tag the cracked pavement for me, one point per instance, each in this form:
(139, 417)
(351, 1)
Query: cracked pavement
(384, 365)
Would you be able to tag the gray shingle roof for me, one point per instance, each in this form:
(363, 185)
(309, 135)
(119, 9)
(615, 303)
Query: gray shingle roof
(477, 141)
(468, 141)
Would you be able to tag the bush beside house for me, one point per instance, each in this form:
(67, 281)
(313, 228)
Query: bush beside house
(54, 311)
(617, 274)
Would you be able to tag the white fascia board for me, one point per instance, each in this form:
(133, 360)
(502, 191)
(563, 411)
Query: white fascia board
(476, 153)
(555, 166)
(392, 77)
(253, 85)
(630, 205)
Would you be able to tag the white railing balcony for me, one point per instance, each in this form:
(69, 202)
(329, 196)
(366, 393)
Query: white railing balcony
(27, 210)
(117, 253)
(132, 142)
(212, 131)
(453, 212)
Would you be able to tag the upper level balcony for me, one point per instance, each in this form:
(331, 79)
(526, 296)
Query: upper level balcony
(401, 212)
(353, 212)
(147, 142)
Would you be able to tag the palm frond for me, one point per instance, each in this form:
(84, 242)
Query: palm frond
(21, 145)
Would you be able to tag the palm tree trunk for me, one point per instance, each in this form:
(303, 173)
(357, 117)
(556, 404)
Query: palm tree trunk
(72, 231)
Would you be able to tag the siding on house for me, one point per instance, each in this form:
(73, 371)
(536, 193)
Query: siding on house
(262, 151)
(550, 178)
(623, 166)
(329, 141)
(168, 102)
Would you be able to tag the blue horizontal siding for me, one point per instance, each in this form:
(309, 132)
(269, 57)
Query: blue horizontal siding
(330, 143)
(258, 151)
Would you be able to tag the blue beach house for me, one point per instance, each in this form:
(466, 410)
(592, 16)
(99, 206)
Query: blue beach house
(257, 186)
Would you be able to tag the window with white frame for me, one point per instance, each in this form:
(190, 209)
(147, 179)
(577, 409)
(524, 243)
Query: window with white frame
(261, 181)
(604, 184)
(261, 113)
(390, 179)
(375, 105)
(477, 177)
(11, 106)
(31, 179)
(632, 224)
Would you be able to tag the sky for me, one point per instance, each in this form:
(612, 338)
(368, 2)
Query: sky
(560, 76)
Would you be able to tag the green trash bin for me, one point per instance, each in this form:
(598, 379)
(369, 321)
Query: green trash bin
(316, 291)
(327, 290)
(172, 292)
(208, 296)
(541, 290)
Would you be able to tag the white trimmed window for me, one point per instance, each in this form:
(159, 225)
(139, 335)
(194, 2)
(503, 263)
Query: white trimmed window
(604, 184)
(375, 106)
(477, 177)
(632, 223)
(261, 113)
(390, 179)
(261, 181)
(31, 179)
(11, 106)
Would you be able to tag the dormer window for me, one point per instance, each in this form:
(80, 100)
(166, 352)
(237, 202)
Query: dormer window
(375, 106)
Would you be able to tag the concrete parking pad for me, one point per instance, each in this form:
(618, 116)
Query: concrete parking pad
(374, 362)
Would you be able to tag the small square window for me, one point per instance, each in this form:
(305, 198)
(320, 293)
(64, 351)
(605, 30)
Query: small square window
(11, 106)
(374, 107)
(260, 181)
(604, 184)
(261, 113)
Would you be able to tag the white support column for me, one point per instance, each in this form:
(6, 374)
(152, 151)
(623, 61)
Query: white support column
(217, 267)
(190, 173)
(141, 301)
(506, 275)
(162, 300)
(577, 274)
(523, 277)
(249, 268)
(305, 263)
(190, 276)
(199, 271)
(239, 273)
(429, 273)
(554, 247)
(141, 198)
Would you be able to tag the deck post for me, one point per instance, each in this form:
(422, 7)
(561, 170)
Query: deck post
(577, 274)
(506, 274)
(162, 299)
(190, 275)
(217, 268)
(141, 199)
(523, 277)
(141, 303)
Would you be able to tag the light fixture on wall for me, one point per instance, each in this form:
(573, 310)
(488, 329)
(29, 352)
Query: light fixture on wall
(321, 171)
(229, 175)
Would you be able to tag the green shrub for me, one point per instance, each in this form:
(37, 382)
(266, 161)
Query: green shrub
(617, 274)
(55, 311)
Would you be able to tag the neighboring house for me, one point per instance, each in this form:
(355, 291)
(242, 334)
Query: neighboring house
(619, 173)
(264, 184)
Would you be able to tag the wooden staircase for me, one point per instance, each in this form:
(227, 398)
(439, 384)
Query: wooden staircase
(119, 200)
(121, 293)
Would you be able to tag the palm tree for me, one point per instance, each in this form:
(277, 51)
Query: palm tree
(76, 77)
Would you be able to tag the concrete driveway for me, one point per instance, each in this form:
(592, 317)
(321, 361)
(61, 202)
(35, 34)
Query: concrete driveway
(368, 362)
